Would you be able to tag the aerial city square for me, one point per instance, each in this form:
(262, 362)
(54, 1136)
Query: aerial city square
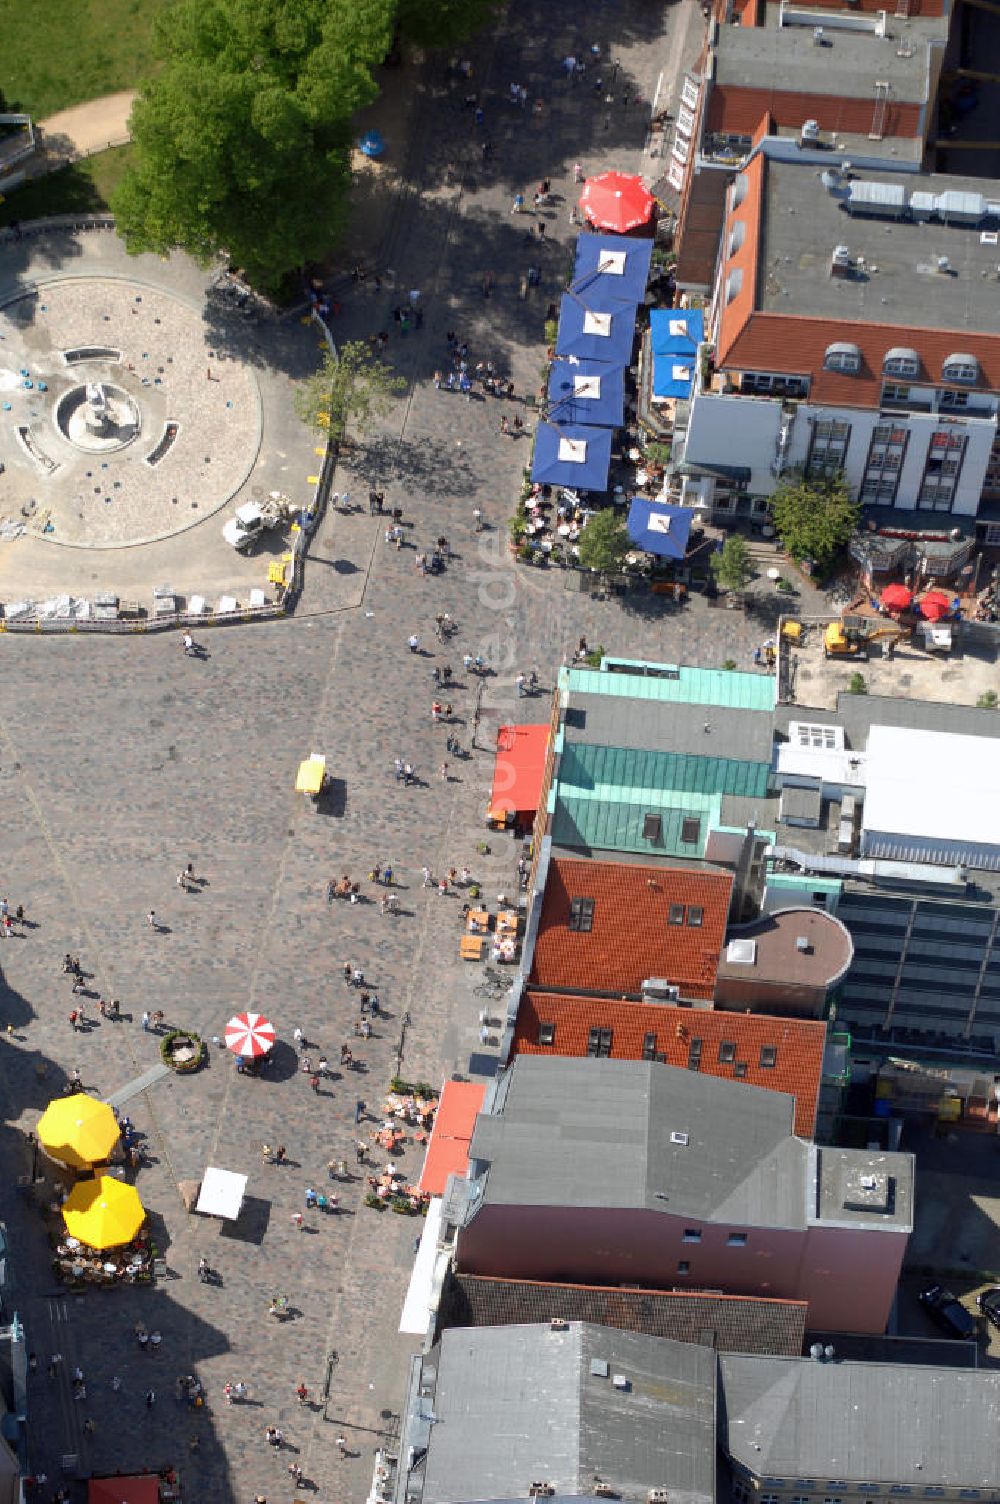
(499, 730)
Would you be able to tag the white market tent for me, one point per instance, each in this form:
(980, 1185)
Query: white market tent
(222, 1193)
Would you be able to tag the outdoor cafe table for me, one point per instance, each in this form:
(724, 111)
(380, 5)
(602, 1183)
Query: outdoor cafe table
(507, 922)
(477, 921)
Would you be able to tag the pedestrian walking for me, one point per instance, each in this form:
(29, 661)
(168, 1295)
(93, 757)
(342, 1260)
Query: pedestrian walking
(341, 1446)
(359, 1110)
(578, 172)
(150, 1398)
(151, 919)
(413, 642)
(301, 1393)
(314, 1083)
(518, 205)
(280, 1154)
(477, 517)
(189, 647)
(295, 1472)
(443, 772)
(297, 1220)
(360, 1150)
(146, 1022)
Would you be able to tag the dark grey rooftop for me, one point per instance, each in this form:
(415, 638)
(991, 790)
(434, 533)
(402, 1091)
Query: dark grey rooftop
(640, 1134)
(861, 1422)
(857, 713)
(609, 721)
(515, 1405)
(848, 63)
(803, 222)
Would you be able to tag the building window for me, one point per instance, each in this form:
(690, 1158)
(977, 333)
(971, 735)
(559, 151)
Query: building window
(960, 368)
(546, 1033)
(842, 358)
(767, 384)
(941, 470)
(901, 362)
(884, 463)
(740, 1069)
(684, 1266)
(734, 284)
(954, 399)
(581, 914)
(769, 1499)
(599, 1042)
(727, 1052)
(828, 449)
(737, 235)
(802, 1499)
(768, 1056)
(696, 916)
(736, 1240)
(690, 831)
(691, 1235)
(694, 1055)
(901, 1488)
(833, 1500)
(649, 1047)
(676, 914)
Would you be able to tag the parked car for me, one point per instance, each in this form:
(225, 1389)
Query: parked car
(948, 1311)
(989, 1303)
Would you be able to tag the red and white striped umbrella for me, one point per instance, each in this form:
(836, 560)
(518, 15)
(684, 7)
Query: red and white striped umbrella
(249, 1034)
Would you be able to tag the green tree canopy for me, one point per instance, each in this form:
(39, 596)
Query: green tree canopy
(732, 565)
(243, 139)
(439, 23)
(604, 542)
(814, 519)
(353, 386)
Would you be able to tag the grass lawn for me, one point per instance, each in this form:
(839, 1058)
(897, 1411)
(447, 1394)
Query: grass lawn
(56, 53)
(72, 190)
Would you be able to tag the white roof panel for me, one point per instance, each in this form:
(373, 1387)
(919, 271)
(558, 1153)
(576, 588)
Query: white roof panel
(933, 784)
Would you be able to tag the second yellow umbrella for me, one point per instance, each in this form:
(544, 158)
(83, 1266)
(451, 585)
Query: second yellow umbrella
(78, 1130)
(103, 1213)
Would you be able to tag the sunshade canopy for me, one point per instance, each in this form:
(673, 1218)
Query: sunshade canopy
(222, 1193)
(617, 201)
(250, 1034)
(372, 143)
(612, 265)
(309, 779)
(596, 327)
(141, 1489)
(586, 391)
(934, 605)
(659, 529)
(103, 1213)
(78, 1130)
(674, 337)
(896, 597)
(575, 456)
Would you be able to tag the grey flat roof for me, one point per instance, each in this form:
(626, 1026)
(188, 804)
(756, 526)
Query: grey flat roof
(609, 721)
(802, 222)
(514, 1405)
(859, 147)
(849, 64)
(861, 1422)
(590, 1132)
(857, 713)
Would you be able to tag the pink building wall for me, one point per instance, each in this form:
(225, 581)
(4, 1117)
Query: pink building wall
(848, 1275)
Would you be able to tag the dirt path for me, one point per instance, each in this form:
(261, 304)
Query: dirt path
(87, 128)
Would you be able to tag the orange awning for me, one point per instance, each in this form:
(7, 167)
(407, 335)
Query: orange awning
(519, 770)
(141, 1489)
(448, 1150)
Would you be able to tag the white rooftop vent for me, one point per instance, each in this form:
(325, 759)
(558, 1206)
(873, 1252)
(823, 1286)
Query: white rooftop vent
(741, 952)
(943, 264)
(802, 944)
(840, 261)
(819, 39)
(557, 1324)
(680, 1138)
(599, 1368)
(810, 130)
(605, 1490)
(658, 1496)
(869, 1182)
(540, 1491)
(620, 1381)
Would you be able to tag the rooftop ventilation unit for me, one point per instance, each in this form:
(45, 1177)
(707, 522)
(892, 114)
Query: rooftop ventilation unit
(658, 1496)
(802, 944)
(659, 987)
(840, 262)
(741, 952)
(620, 1381)
(540, 1491)
(557, 1324)
(809, 132)
(680, 1138)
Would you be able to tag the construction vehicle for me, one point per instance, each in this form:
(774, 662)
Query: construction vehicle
(852, 639)
(255, 518)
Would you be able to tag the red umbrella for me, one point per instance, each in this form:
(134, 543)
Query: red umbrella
(617, 201)
(896, 597)
(934, 605)
(249, 1034)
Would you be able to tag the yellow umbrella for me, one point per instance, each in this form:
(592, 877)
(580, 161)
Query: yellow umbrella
(104, 1212)
(78, 1130)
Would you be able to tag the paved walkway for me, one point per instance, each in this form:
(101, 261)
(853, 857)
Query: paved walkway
(120, 759)
(86, 129)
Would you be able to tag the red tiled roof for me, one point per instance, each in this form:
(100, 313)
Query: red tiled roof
(630, 938)
(448, 1150)
(797, 344)
(798, 1042)
(738, 311)
(738, 108)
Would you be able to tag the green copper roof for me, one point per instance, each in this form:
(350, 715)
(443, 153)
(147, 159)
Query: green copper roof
(633, 775)
(604, 824)
(676, 684)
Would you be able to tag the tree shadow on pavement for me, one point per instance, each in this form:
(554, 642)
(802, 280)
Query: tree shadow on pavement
(429, 463)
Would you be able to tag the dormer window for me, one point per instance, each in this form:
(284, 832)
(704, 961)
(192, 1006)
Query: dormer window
(900, 361)
(739, 190)
(734, 285)
(960, 367)
(843, 358)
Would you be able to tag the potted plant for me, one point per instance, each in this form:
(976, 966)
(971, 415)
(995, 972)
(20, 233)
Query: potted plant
(182, 1050)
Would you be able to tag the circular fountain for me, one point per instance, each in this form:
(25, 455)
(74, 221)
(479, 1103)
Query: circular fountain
(98, 416)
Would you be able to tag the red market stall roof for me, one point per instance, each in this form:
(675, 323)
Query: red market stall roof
(519, 770)
(142, 1489)
(448, 1150)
